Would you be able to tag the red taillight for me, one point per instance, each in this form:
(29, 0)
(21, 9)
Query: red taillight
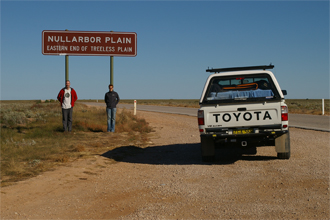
(200, 117)
(284, 112)
(285, 117)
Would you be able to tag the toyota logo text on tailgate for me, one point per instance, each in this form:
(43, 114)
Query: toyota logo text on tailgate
(247, 116)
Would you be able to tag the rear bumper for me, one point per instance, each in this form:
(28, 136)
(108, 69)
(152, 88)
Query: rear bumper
(256, 133)
(270, 133)
(263, 138)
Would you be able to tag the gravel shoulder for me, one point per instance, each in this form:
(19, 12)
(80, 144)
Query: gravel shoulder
(168, 180)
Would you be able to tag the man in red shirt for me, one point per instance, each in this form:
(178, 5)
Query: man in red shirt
(67, 97)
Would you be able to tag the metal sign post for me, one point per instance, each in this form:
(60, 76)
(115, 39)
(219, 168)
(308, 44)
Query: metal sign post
(66, 68)
(111, 70)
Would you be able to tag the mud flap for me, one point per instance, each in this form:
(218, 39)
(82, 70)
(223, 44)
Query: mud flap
(282, 143)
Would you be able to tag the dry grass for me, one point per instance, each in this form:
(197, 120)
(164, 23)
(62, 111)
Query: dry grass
(190, 103)
(298, 106)
(308, 106)
(32, 140)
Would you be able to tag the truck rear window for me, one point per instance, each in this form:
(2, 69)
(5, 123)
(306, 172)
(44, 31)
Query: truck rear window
(238, 88)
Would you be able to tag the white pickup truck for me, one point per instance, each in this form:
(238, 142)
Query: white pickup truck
(245, 107)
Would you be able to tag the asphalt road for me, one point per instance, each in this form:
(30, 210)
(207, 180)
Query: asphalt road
(312, 122)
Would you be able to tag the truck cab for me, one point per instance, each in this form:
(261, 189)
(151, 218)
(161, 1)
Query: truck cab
(243, 106)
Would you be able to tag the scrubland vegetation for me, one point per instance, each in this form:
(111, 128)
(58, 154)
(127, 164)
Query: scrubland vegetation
(298, 106)
(190, 103)
(33, 141)
(308, 106)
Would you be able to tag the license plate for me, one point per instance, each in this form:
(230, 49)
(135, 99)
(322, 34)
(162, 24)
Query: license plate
(245, 131)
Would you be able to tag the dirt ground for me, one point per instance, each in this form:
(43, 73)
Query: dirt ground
(168, 180)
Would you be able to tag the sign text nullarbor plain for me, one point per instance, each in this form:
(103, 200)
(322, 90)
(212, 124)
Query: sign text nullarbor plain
(81, 39)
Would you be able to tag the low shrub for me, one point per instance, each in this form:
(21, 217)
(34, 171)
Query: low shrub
(32, 140)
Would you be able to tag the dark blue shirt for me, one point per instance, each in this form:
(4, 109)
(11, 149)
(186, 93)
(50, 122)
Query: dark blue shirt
(111, 99)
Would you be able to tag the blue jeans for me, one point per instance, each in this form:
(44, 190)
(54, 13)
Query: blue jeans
(67, 119)
(111, 113)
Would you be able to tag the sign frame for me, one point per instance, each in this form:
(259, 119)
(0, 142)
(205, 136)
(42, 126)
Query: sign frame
(89, 43)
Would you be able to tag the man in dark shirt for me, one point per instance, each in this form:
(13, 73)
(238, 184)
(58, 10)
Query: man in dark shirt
(111, 98)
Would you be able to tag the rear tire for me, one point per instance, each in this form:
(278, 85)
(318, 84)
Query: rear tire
(208, 158)
(207, 148)
(283, 155)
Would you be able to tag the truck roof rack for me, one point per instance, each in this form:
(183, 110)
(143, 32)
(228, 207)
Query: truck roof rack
(270, 66)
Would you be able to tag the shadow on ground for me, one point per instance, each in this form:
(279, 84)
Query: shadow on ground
(177, 154)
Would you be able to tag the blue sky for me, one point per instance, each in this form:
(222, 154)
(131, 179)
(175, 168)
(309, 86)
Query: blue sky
(176, 42)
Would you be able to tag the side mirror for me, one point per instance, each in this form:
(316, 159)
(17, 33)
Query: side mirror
(284, 92)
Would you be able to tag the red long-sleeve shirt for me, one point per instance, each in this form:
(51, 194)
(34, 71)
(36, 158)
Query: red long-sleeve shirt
(74, 97)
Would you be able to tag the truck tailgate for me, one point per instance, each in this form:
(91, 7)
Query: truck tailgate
(247, 115)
